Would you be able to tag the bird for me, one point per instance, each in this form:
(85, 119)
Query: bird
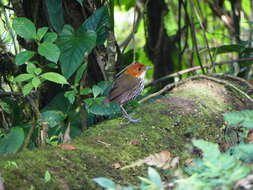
(127, 86)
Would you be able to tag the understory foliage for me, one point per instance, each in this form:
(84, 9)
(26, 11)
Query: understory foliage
(214, 170)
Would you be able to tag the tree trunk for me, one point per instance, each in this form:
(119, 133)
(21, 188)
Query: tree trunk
(160, 47)
(193, 109)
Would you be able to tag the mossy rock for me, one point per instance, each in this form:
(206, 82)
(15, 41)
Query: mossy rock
(193, 109)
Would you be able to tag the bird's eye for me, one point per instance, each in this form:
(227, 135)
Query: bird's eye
(139, 68)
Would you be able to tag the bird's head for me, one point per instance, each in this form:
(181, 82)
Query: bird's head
(137, 70)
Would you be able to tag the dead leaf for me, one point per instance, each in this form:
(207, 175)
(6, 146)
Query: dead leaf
(174, 162)
(67, 146)
(160, 160)
(66, 136)
(189, 161)
(135, 142)
(116, 165)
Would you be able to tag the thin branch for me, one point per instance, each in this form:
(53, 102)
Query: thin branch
(196, 69)
(136, 24)
(173, 85)
(203, 29)
(194, 38)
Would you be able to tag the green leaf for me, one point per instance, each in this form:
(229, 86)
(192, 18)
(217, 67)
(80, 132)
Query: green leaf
(155, 177)
(5, 107)
(47, 176)
(31, 68)
(41, 32)
(79, 73)
(36, 82)
(243, 152)
(71, 95)
(104, 182)
(99, 22)
(56, 14)
(50, 51)
(50, 37)
(80, 2)
(52, 117)
(27, 89)
(85, 91)
(23, 77)
(243, 118)
(23, 57)
(101, 109)
(54, 77)
(209, 149)
(24, 28)
(12, 142)
(37, 71)
(96, 90)
(73, 48)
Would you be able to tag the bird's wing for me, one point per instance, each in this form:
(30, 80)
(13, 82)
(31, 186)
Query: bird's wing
(123, 88)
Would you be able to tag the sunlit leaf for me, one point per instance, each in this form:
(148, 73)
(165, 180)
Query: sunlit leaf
(104, 182)
(41, 32)
(23, 57)
(243, 118)
(24, 28)
(50, 51)
(50, 37)
(27, 89)
(54, 77)
(23, 77)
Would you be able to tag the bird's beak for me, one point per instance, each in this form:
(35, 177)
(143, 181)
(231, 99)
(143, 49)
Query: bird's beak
(148, 67)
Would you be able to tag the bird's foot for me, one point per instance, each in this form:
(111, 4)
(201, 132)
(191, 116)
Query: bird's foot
(130, 119)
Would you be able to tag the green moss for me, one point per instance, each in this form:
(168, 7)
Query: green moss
(191, 111)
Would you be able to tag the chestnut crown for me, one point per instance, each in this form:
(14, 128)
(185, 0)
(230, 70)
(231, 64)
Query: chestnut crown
(137, 70)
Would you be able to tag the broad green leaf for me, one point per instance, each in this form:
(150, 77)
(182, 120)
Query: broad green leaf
(24, 28)
(71, 95)
(67, 30)
(104, 182)
(27, 89)
(23, 57)
(54, 77)
(56, 14)
(12, 142)
(4, 106)
(50, 51)
(85, 91)
(101, 109)
(96, 90)
(47, 176)
(243, 152)
(80, 2)
(31, 68)
(243, 118)
(155, 177)
(23, 77)
(50, 37)
(209, 149)
(41, 32)
(52, 117)
(37, 71)
(36, 82)
(79, 73)
(73, 48)
(99, 22)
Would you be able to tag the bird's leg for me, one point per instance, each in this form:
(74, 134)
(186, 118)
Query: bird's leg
(130, 119)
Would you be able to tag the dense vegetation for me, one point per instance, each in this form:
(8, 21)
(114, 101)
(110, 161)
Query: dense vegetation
(59, 58)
